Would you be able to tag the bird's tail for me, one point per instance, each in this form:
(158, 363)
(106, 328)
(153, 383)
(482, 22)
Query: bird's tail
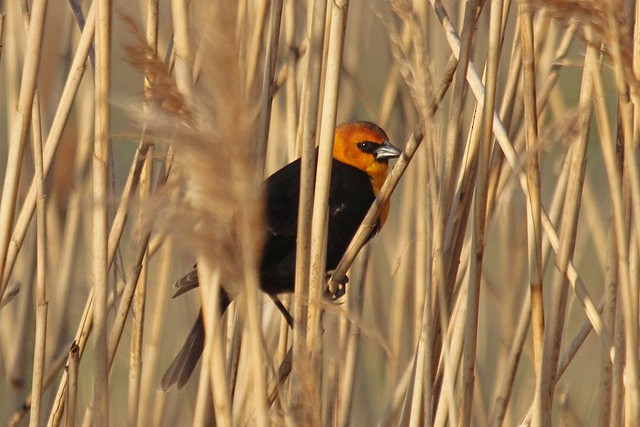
(185, 362)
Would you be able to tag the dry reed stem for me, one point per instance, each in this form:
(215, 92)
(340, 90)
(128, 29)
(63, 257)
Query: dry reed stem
(64, 107)
(152, 343)
(611, 267)
(42, 303)
(122, 313)
(139, 307)
(72, 390)
(421, 407)
(291, 108)
(479, 231)
(317, 12)
(319, 218)
(269, 68)
(135, 375)
(182, 47)
(2, 15)
(349, 345)
(452, 158)
(100, 169)
(533, 180)
(212, 380)
(19, 129)
(552, 339)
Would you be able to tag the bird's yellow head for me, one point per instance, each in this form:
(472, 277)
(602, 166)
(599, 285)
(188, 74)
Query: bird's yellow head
(365, 146)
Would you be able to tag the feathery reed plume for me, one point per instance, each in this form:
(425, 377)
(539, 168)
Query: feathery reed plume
(212, 131)
(608, 20)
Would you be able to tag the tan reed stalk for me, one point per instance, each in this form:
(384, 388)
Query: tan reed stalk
(547, 85)
(139, 305)
(319, 218)
(19, 128)
(479, 232)
(62, 278)
(148, 387)
(214, 376)
(349, 345)
(42, 304)
(291, 92)
(115, 234)
(504, 393)
(253, 324)
(452, 346)
(84, 328)
(611, 264)
(317, 12)
(502, 139)
(422, 393)
(62, 113)
(552, 338)
(609, 319)
(100, 270)
(2, 14)
(72, 391)
(534, 228)
(179, 15)
(402, 284)
(567, 358)
(269, 68)
(122, 312)
(614, 175)
(629, 293)
(505, 388)
(146, 176)
(617, 373)
(451, 158)
(234, 345)
(252, 309)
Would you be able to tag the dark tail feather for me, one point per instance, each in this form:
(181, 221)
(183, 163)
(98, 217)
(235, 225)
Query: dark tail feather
(185, 362)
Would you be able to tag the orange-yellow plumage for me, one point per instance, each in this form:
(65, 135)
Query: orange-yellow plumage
(347, 149)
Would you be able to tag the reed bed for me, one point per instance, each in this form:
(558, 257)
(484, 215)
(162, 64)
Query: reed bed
(502, 291)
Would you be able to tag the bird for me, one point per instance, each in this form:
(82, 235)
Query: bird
(360, 164)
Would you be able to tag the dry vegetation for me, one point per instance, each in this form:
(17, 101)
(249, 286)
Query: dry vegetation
(503, 289)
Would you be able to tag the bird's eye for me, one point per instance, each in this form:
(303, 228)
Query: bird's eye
(366, 146)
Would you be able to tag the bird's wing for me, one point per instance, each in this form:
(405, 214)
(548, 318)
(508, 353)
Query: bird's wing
(283, 192)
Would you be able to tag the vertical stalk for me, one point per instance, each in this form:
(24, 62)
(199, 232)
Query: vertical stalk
(534, 229)
(323, 174)
(311, 92)
(100, 212)
(19, 129)
(553, 335)
(53, 139)
(42, 303)
(146, 176)
(480, 217)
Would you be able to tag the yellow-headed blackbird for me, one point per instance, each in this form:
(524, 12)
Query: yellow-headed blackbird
(361, 153)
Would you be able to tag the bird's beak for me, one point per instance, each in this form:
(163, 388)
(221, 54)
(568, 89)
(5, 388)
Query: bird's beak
(387, 151)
